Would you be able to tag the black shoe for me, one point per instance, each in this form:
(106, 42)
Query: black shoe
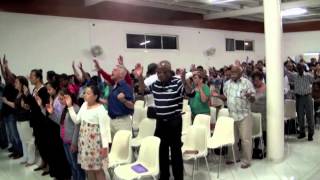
(301, 136)
(39, 168)
(10, 149)
(45, 173)
(12, 155)
(310, 137)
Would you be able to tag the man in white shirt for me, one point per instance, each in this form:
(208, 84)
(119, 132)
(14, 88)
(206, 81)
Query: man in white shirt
(240, 93)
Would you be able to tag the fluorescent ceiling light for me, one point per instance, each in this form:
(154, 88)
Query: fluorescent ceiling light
(220, 1)
(246, 43)
(311, 54)
(144, 43)
(293, 12)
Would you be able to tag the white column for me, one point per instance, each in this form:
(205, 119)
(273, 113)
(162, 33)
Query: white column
(274, 73)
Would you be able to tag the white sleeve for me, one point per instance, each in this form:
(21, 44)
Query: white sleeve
(286, 85)
(104, 125)
(150, 80)
(76, 118)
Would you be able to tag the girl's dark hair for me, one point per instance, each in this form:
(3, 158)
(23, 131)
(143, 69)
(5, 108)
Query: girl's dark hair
(95, 91)
(65, 91)
(23, 81)
(54, 85)
(38, 73)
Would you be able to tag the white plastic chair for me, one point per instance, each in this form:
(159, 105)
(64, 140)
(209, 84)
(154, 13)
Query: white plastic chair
(139, 103)
(203, 120)
(196, 144)
(223, 112)
(138, 115)
(289, 111)
(148, 158)
(223, 135)
(186, 122)
(213, 113)
(185, 106)
(257, 130)
(121, 151)
(146, 128)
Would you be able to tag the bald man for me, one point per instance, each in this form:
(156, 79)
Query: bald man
(120, 101)
(168, 92)
(240, 93)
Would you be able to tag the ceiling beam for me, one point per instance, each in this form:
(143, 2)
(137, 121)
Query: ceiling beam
(256, 10)
(154, 4)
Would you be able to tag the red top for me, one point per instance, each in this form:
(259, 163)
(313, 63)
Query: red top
(107, 77)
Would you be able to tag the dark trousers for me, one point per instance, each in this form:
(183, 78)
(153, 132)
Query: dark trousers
(77, 172)
(3, 135)
(170, 134)
(12, 132)
(304, 107)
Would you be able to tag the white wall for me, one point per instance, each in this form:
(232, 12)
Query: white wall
(301, 42)
(51, 43)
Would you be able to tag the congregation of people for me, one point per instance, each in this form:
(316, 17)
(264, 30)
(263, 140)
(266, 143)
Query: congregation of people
(66, 126)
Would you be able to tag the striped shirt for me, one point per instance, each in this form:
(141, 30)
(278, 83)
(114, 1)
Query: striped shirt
(302, 84)
(168, 97)
(238, 105)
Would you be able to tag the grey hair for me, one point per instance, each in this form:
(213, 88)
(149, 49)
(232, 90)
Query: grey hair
(123, 70)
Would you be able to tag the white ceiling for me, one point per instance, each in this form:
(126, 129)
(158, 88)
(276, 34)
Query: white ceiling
(240, 9)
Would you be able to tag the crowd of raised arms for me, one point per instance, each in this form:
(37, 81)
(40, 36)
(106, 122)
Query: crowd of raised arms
(66, 125)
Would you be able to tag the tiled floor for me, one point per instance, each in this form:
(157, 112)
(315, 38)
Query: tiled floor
(302, 161)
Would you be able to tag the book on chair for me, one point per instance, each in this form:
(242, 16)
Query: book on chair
(139, 168)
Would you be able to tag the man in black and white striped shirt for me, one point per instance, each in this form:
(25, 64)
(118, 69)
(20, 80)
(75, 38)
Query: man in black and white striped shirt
(168, 92)
(302, 89)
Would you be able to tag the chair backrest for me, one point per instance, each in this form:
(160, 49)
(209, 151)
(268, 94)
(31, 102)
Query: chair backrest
(256, 125)
(203, 120)
(223, 133)
(223, 112)
(138, 115)
(196, 139)
(185, 106)
(147, 128)
(139, 103)
(121, 145)
(213, 113)
(149, 153)
(289, 108)
(186, 121)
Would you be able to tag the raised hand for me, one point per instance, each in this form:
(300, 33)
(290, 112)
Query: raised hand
(39, 100)
(120, 60)
(25, 90)
(138, 70)
(68, 100)
(80, 65)
(96, 65)
(49, 108)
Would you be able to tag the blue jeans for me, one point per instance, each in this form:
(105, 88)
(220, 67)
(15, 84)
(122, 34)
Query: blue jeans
(77, 172)
(12, 130)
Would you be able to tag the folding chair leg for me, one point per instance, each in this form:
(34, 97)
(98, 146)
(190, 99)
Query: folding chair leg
(233, 154)
(219, 162)
(194, 163)
(205, 158)
(262, 146)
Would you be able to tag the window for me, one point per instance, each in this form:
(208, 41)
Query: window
(141, 41)
(229, 44)
(169, 42)
(248, 45)
(239, 45)
(153, 42)
(135, 41)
